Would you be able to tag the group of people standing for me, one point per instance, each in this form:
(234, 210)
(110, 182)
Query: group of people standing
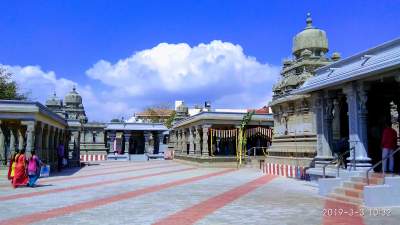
(24, 171)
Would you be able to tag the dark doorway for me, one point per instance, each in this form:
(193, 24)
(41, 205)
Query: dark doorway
(382, 98)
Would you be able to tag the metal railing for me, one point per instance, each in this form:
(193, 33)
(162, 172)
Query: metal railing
(379, 163)
(254, 151)
(339, 158)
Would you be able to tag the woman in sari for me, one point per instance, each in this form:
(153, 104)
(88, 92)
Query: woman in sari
(34, 164)
(11, 168)
(20, 176)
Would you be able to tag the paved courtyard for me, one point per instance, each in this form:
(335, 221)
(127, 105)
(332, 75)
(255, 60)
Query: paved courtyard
(166, 192)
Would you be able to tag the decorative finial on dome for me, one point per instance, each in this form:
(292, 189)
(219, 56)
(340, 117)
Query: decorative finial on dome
(309, 21)
(74, 88)
(54, 93)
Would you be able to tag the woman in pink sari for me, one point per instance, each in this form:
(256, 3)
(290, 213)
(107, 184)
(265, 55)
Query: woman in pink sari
(20, 176)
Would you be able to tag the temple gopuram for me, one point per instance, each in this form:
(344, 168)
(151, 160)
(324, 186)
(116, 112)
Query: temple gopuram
(295, 140)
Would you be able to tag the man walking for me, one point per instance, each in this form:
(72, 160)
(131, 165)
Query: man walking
(388, 144)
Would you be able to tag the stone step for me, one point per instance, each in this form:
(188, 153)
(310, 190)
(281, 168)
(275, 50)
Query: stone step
(345, 198)
(372, 180)
(351, 192)
(354, 185)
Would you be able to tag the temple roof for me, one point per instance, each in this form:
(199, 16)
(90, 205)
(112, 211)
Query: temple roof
(366, 64)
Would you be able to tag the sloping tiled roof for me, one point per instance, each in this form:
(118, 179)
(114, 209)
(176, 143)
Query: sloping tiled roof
(155, 112)
(377, 60)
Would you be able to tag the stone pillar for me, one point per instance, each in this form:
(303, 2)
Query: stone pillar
(127, 136)
(3, 153)
(328, 118)
(156, 142)
(205, 151)
(197, 140)
(30, 138)
(147, 143)
(76, 145)
(179, 142)
(324, 153)
(336, 120)
(110, 139)
(12, 140)
(39, 140)
(356, 100)
(191, 141)
(20, 133)
(183, 142)
(46, 144)
(173, 140)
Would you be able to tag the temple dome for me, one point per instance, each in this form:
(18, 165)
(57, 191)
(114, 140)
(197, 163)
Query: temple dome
(53, 101)
(73, 97)
(310, 38)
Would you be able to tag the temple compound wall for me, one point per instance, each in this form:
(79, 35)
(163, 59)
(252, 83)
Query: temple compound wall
(31, 126)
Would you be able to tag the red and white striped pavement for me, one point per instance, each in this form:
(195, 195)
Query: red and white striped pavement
(168, 193)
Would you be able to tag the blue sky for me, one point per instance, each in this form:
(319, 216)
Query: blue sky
(56, 44)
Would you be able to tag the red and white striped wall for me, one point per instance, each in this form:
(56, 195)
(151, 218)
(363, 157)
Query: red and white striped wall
(90, 158)
(283, 170)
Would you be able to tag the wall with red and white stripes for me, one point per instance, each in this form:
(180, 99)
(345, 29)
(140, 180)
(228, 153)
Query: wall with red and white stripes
(90, 158)
(284, 170)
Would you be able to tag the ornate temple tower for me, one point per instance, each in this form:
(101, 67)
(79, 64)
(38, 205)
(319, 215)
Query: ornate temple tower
(294, 141)
(73, 107)
(56, 105)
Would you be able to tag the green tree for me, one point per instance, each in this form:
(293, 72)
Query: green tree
(8, 87)
(169, 122)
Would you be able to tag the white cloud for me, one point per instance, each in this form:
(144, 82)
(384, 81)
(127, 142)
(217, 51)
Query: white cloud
(211, 71)
(40, 85)
(217, 71)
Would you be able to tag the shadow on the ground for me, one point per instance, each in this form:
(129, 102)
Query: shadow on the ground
(71, 171)
(43, 185)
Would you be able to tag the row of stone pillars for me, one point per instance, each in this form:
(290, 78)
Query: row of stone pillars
(30, 135)
(326, 109)
(152, 141)
(196, 137)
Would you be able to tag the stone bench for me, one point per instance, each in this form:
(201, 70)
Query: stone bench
(155, 156)
(118, 157)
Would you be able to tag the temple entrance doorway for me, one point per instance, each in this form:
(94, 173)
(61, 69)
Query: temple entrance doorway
(136, 143)
(383, 106)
